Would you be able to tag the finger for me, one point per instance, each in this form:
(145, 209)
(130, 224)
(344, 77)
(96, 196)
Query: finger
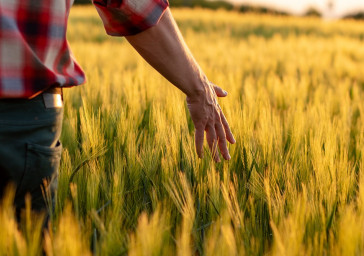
(219, 92)
(228, 133)
(199, 137)
(212, 141)
(221, 138)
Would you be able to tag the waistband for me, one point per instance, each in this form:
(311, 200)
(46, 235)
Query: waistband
(52, 92)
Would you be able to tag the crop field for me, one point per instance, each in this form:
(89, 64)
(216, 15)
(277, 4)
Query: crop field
(130, 182)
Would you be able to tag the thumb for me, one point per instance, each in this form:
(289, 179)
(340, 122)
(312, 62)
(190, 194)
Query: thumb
(219, 92)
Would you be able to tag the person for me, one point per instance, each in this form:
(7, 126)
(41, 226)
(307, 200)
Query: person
(36, 63)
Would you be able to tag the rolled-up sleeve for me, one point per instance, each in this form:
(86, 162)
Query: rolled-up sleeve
(129, 17)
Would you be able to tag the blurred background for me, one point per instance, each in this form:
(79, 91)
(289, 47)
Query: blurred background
(328, 9)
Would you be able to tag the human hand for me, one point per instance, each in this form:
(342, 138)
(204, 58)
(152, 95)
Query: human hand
(207, 116)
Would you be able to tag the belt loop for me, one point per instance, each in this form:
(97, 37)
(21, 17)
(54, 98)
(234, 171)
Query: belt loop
(53, 97)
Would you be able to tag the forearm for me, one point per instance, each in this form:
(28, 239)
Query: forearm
(163, 47)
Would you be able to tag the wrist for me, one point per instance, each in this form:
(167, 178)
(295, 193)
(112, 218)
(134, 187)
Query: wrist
(198, 88)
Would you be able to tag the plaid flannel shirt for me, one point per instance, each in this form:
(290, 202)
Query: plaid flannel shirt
(34, 53)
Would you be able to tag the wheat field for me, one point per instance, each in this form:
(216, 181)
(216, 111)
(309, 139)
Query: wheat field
(131, 184)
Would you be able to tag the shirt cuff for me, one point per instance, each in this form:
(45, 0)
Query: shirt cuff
(129, 17)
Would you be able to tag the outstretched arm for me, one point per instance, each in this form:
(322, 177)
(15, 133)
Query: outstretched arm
(163, 47)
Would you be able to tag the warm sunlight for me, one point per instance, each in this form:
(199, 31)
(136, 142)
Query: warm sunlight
(330, 8)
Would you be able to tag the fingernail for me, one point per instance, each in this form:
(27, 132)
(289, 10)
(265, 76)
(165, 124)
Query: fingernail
(228, 157)
(225, 92)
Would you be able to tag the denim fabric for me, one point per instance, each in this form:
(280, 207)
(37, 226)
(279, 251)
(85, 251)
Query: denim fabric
(30, 150)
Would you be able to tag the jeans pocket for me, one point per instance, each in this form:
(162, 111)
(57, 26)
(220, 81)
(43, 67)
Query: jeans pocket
(41, 164)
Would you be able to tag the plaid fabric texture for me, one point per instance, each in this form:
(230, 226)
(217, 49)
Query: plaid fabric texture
(129, 17)
(34, 53)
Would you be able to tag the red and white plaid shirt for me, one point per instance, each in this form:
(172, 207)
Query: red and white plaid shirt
(34, 53)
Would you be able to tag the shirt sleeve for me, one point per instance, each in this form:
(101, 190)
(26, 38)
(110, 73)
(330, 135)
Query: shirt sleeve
(129, 17)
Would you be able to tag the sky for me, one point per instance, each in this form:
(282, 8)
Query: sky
(340, 7)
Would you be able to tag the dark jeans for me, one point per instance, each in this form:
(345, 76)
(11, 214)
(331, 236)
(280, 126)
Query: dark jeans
(30, 150)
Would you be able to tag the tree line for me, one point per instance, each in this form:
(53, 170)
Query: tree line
(220, 4)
